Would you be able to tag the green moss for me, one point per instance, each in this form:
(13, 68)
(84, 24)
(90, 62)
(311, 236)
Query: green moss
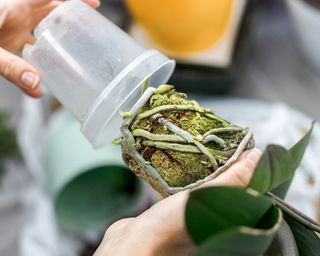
(191, 121)
(180, 168)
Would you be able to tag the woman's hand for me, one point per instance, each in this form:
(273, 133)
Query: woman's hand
(161, 229)
(17, 20)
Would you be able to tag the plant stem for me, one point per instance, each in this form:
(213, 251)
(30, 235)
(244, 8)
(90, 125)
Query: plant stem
(222, 130)
(172, 127)
(295, 213)
(185, 148)
(164, 108)
(172, 146)
(206, 151)
(188, 137)
(213, 117)
(214, 138)
(139, 104)
(157, 137)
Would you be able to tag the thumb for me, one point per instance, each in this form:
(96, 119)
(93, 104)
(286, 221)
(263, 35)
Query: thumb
(19, 72)
(239, 173)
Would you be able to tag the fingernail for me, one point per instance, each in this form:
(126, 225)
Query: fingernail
(254, 156)
(96, 3)
(29, 80)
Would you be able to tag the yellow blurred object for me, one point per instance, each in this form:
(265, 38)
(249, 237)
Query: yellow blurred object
(180, 27)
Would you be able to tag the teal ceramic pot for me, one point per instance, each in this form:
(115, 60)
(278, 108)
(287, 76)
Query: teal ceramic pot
(90, 188)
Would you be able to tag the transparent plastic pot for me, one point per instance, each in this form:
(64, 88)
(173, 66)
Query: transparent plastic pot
(93, 68)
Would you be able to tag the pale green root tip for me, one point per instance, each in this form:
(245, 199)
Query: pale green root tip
(164, 88)
(127, 114)
(117, 141)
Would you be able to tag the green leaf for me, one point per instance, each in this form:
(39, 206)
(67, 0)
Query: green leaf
(297, 151)
(277, 165)
(234, 221)
(216, 209)
(235, 242)
(243, 241)
(283, 242)
(271, 169)
(307, 241)
(281, 190)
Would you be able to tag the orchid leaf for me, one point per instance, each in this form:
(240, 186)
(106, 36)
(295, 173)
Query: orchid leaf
(234, 221)
(307, 241)
(277, 165)
(231, 221)
(215, 209)
(238, 241)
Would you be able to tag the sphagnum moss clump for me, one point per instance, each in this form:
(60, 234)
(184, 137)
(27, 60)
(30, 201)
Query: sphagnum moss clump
(174, 143)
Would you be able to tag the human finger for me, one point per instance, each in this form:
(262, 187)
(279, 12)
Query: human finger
(239, 173)
(37, 3)
(93, 3)
(19, 72)
(39, 13)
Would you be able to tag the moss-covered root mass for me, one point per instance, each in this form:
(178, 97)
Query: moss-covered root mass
(183, 141)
